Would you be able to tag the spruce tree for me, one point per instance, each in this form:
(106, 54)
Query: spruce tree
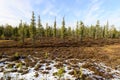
(21, 32)
(33, 29)
(8, 31)
(40, 28)
(69, 32)
(81, 31)
(26, 29)
(63, 29)
(77, 30)
(106, 30)
(46, 30)
(97, 30)
(1, 30)
(15, 31)
(54, 30)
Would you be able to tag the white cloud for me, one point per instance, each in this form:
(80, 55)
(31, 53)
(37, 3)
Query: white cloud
(48, 7)
(96, 12)
(113, 17)
(38, 1)
(11, 11)
(93, 12)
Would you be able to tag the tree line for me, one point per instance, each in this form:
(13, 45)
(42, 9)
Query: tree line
(35, 30)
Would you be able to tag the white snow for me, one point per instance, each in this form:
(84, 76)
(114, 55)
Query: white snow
(31, 73)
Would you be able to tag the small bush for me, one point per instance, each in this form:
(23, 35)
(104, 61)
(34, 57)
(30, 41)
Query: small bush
(60, 73)
(19, 65)
(78, 74)
(36, 74)
(46, 55)
(16, 56)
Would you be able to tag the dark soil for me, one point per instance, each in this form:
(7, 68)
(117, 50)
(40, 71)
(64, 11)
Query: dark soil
(62, 49)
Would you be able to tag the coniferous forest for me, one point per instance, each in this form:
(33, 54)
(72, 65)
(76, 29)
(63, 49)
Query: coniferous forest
(33, 51)
(35, 30)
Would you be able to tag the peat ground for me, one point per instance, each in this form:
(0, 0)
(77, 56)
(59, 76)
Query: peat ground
(101, 50)
(88, 51)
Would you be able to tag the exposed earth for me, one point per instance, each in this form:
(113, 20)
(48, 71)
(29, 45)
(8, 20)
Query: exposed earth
(54, 59)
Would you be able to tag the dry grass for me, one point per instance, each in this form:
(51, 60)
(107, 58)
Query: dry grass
(112, 48)
(108, 52)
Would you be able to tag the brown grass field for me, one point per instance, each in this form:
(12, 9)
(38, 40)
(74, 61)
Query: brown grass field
(105, 51)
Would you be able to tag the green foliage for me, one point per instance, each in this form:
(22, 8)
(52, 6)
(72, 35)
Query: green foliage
(1, 30)
(22, 31)
(77, 30)
(36, 74)
(2, 36)
(69, 32)
(80, 33)
(15, 31)
(33, 29)
(19, 65)
(106, 30)
(54, 30)
(47, 30)
(46, 55)
(40, 29)
(97, 27)
(10, 66)
(26, 30)
(60, 73)
(16, 55)
(8, 31)
(75, 73)
(78, 74)
(63, 29)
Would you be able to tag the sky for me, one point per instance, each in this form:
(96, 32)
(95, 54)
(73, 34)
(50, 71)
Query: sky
(88, 11)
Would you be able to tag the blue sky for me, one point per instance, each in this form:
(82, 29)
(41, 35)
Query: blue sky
(89, 11)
